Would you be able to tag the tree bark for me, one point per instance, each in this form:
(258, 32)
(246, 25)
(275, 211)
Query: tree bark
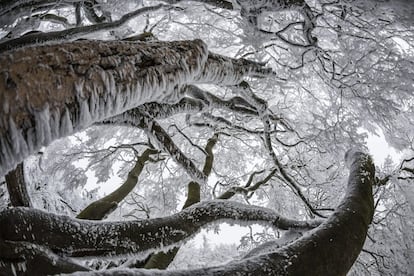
(16, 186)
(77, 238)
(26, 259)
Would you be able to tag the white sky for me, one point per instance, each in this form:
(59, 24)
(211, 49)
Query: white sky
(380, 149)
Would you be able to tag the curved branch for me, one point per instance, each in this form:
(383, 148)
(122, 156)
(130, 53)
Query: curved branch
(248, 188)
(88, 7)
(25, 258)
(101, 208)
(73, 237)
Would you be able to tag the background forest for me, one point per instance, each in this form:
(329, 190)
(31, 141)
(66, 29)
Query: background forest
(291, 87)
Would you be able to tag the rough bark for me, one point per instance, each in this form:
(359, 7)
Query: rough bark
(16, 186)
(329, 249)
(50, 91)
(101, 208)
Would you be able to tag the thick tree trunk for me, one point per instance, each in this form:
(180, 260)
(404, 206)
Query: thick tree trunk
(50, 91)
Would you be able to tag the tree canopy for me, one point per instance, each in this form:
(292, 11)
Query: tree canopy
(128, 127)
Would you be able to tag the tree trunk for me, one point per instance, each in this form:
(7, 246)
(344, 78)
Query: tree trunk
(50, 91)
(16, 186)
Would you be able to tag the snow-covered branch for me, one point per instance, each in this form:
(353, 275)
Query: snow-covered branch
(73, 237)
(159, 137)
(71, 33)
(19, 258)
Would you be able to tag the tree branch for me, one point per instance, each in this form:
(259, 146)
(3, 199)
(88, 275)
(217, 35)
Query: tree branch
(101, 208)
(25, 258)
(71, 33)
(73, 237)
(162, 260)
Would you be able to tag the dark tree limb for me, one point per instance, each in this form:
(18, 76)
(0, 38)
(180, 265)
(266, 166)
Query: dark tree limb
(26, 259)
(194, 101)
(101, 208)
(17, 188)
(90, 13)
(247, 189)
(74, 237)
(161, 138)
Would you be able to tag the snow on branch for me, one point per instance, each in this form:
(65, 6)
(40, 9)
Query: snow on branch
(229, 71)
(195, 100)
(19, 258)
(50, 91)
(40, 37)
(73, 237)
(160, 138)
(163, 140)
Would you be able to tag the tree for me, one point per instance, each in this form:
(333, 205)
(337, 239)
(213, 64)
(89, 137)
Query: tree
(264, 93)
